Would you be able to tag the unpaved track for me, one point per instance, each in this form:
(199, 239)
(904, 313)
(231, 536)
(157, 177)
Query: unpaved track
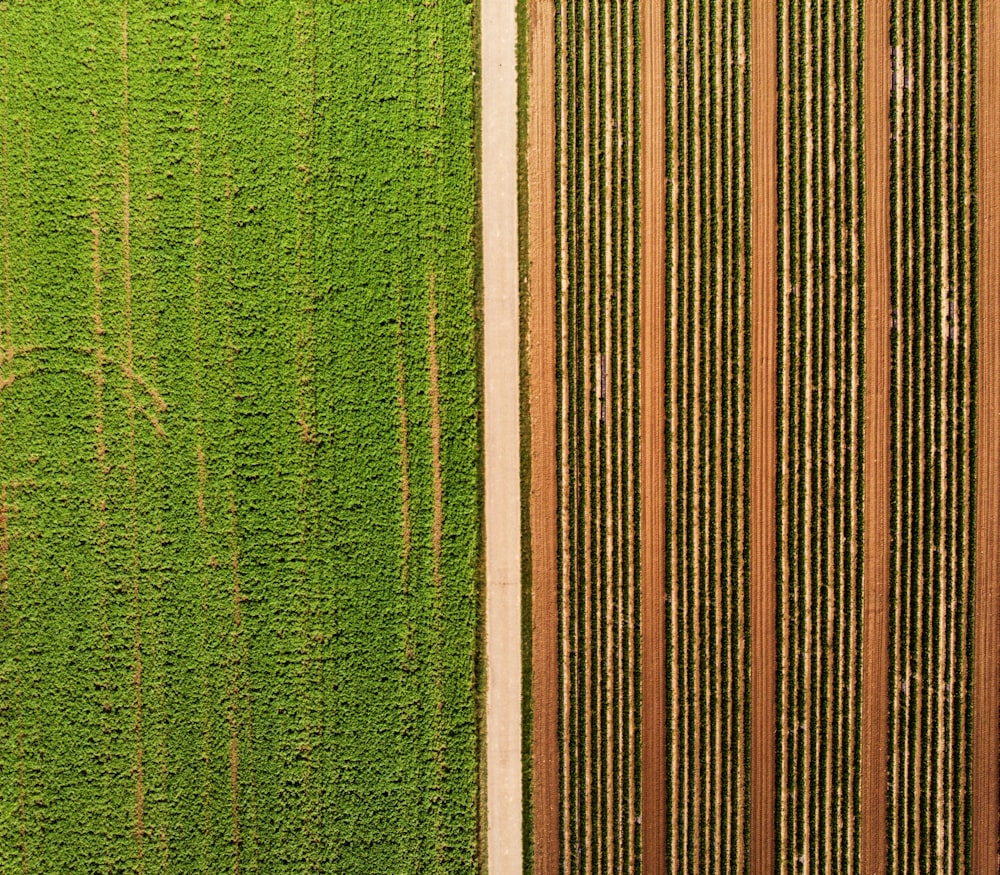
(986, 738)
(652, 485)
(502, 450)
(762, 435)
(544, 480)
(875, 662)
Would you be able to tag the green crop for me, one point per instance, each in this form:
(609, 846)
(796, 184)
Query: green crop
(238, 255)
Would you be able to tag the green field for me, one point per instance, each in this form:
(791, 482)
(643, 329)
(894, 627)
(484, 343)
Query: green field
(239, 440)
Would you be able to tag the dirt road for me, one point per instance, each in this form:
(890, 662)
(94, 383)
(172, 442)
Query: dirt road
(503, 514)
(544, 407)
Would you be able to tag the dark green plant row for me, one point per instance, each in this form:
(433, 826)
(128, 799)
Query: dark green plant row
(597, 389)
(227, 231)
(934, 283)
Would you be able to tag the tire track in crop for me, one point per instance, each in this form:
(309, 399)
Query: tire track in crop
(198, 315)
(237, 681)
(151, 385)
(101, 449)
(934, 361)
(437, 530)
(444, 476)
(304, 68)
(112, 809)
(219, 755)
(203, 438)
(27, 842)
(404, 482)
(241, 679)
(412, 657)
(140, 829)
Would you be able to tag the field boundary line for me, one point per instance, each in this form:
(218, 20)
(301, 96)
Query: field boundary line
(986, 732)
(875, 631)
(652, 471)
(502, 445)
(763, 369)
(543, 404)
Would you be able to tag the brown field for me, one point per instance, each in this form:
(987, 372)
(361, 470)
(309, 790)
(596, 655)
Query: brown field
(806, 472)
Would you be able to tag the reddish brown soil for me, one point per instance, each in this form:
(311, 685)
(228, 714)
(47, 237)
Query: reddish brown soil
(652, 471)
(986, 688)
(875, 661)
(543, 406)
(762, 436)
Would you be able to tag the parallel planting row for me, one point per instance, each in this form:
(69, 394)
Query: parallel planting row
(934, 359)
(596, 356)
(238, 437)
(820, 417)
(707, 384)
(835, 255)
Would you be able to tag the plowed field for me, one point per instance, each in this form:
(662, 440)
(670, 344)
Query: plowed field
(811, 488)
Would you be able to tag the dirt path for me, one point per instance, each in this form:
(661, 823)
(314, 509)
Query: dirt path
(763, 320)
(875, 661)
(652, 477)
(986, 737)
(502, 437)
(544, 480)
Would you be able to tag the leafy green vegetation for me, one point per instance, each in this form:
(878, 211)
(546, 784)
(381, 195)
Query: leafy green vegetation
(239, 443)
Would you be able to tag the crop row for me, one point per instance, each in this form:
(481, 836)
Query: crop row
(820, 396)
(707, 380)
(933, 286)
(597, 444)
